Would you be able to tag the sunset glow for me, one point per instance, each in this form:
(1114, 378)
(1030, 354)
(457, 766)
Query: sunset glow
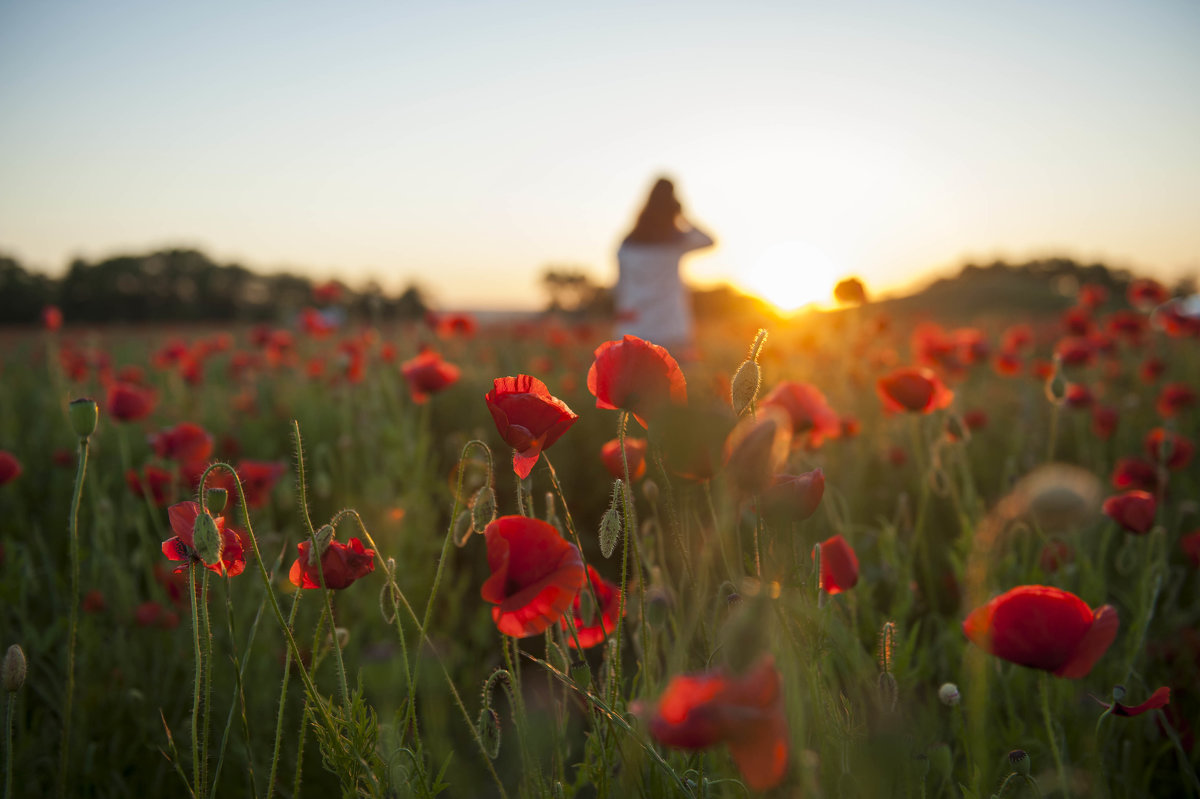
(791, 275)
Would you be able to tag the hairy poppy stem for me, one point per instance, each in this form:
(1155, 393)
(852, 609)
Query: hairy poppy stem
(1052, 438)
(207, 679)
(1058, 761)
(622, 424)
(73, 623)
(8, 744)
(197, 788)
(283, 687)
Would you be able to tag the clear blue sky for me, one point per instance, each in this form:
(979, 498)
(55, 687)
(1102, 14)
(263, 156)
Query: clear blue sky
(467, 145)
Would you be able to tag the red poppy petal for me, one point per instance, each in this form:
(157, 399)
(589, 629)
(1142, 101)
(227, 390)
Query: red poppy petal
(183, 519)
(763, 757)
(1094, 644)
(1158, 699)
(523, 462)
(175, 549)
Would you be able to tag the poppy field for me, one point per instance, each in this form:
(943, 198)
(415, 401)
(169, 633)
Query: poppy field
(847, 554)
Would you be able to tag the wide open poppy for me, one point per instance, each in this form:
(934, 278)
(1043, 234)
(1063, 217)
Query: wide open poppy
(185, 442)
(528, 417)
(746, 713)
(535, 574)
(636, 376)
(128, 403)
(1043, 628)
(608, 599)
(232, 558)
(812, 419)
(341, 564)
(913, 389)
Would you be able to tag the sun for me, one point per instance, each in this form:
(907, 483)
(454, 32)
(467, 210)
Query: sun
(790, 275)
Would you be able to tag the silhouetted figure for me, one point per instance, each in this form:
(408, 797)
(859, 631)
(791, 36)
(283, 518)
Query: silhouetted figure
(651, 300)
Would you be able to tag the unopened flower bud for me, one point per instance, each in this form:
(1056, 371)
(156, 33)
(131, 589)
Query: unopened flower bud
(1118, 693)
(483, 508)
(650, 491)
(14, 668)
(1056, 386)
(488, 726)
(948, 694)
(744, 390)
(83, 413)
(215, 500)
(610, 523)
(207, 538)
(1019, 761)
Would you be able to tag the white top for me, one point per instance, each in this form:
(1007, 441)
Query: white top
(651, 300)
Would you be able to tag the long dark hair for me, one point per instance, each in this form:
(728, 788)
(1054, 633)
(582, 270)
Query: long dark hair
(658, 220)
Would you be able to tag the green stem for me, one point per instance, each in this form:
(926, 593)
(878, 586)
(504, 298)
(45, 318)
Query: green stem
(196, 682)
(207, 683)
(73, 623)
(287, 668)
(622, 424)
(1058, 761)
(1052, 438)
(8, 744)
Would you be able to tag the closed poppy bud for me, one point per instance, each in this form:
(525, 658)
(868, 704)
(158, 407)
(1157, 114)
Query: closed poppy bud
(1133, 510)
(581, 673)
(746, 381)
(483, 508)
(610, 524)
(14, 669)
(83, 413)
(839, 565)
(207, 538)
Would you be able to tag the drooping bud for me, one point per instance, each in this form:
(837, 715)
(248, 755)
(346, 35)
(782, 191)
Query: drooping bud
(215, 500)
(1056, 385)
(488, 727)
(14, 669)
(610, 523)
(748, 378)
(324, 536)
(207, 538)
(483, 508)
(1019, 761)
(83, 413)
(948, 694)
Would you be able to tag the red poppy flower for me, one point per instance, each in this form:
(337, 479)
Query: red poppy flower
(1160, 698)
(535, 575)
(1135, 473)
(154, 480)
(812, 419)
(128, 403)
(327, 293)
(1190, 544)
(1177, 449)
(746, 713)
(850, 426)
(94, 602)
(183, 548)
(1175, 397)
(52, 318)
(839, 565)
(756, 450)
(1055, 554)
(795, 496)
(1075, 351)
(1078, 396)
(1016, 338)
(1041, 370)
(1133, 510)
(911, 389)
(1007, 364)
(528, 417)
(1128, 325)
(1043, 628)
(341, 564)
(608, 597)
(10, 467)
(1077, 321)
(634, 375)
(428, 374)
(1145, 293)
(185, 442)
(1092, 295)
(1104, 421)
(258, 478)
(635, 453)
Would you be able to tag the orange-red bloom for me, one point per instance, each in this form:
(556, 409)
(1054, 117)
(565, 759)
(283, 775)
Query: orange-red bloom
(341, 564)
(52, 317)
(634, 375)
(184, 442)
(10, 467)
(1134, 472)
(1145, 293)
(635, 453)
(1160, 698)
(528, 417)
(812, 419)
(839, 565)
(913, 389)
(182, 547)
(1043, 628)
(795, 496)
(608, 599)
(127, 402)
(1133, 510)
(1175, 397)
(428, 374)
(1104, 421)
(535, 574)
(1172, 449)
(701, 710)
(154, 480)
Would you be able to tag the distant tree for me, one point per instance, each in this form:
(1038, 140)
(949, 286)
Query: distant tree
(23, 294)
(850, 291)
(572, 291)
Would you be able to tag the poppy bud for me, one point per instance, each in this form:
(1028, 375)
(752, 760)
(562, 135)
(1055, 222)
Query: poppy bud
(610, 524)
(1118, 693)
(207, 538)
(650, 491)
(14, 669)
(488, 727)
(889, 690)
(215, 500)
(1019, 761)
(746, 382)
(581, 673)
(83, 413)
(1056, 384)
(658, 603)
(483, 508)
(949, 695)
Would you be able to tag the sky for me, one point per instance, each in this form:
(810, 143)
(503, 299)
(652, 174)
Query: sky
(467, 146)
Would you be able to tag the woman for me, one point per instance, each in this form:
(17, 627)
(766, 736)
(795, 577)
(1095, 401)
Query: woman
(651, 300)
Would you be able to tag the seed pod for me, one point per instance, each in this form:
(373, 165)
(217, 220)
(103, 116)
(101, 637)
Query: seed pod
(1019, 761)
(14, 668)
(206, 538)
(215, 500)
(83, 413)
